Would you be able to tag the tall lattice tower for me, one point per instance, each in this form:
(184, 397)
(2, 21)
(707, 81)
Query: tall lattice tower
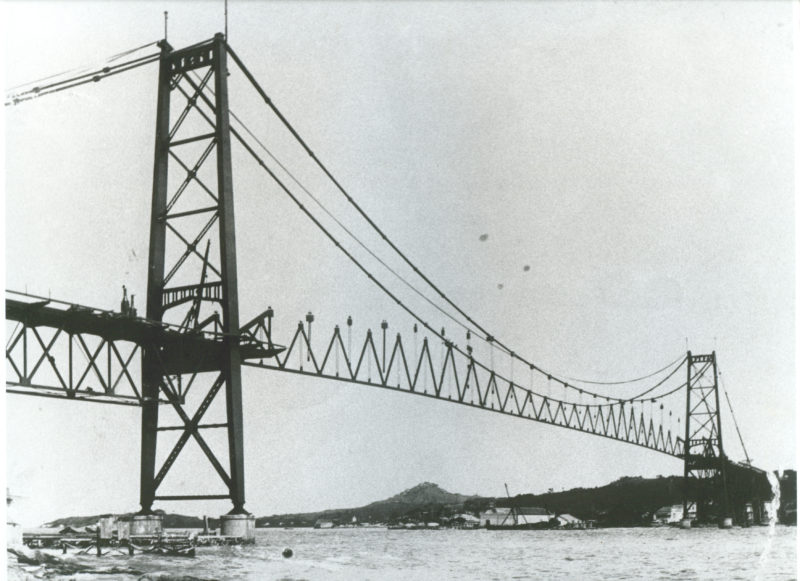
(192, 286)
(704, 461)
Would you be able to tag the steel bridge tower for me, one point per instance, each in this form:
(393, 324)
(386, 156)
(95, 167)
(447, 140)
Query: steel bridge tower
(194, 213)
(704, 461)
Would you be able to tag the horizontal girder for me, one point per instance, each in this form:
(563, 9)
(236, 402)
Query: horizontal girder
(461, 379)
(71, 351)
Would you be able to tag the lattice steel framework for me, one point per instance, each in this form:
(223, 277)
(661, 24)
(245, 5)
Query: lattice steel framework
(704, 461)
(66, 351)
(457, 377)
(190, 213)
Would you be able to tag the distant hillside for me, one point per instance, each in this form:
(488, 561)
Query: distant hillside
(628, 501)
(426, 501)
(425, 493)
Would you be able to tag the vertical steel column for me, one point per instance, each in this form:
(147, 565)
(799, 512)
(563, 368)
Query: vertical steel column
(723, 460)
(686, 437)
(231, 365)
(151, 371)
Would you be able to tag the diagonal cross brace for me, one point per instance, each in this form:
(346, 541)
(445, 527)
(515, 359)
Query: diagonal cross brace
(191, 102)
(191, 247)
(191, 174)
(46, 354)
(191, 429)
(91, 364)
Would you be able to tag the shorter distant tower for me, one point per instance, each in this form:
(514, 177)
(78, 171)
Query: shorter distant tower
(704, 461)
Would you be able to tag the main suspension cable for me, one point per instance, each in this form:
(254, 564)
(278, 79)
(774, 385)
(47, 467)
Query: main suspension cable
(361, 267)
(93, 76)
(660, 383)
(405, 307)
(488, 336)
(317, 223)
(682, 358)
(314, 198)
(339, 222)
(72, 71)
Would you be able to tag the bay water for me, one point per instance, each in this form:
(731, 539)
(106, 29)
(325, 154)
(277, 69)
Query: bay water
(757, 553)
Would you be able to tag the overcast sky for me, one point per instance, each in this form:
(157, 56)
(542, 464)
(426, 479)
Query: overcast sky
(637, 157)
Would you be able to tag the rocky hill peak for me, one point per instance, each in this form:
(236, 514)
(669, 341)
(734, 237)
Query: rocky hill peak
(425, 493)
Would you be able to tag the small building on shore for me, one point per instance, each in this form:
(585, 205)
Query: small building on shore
(502, 516)
(672, 514)
(465, 521)
(567, 521)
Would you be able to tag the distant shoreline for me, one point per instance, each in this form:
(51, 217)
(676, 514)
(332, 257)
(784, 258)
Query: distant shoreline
(626, 503)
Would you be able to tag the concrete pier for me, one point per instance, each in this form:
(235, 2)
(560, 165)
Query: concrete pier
(239, 525)
(686, 523)
(726, 523)
(146, 524)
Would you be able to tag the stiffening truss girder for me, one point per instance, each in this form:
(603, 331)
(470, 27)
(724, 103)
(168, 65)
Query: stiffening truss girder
(457, 378)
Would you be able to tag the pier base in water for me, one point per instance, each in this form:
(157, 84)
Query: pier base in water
(241, 526)
(726, 523)
(686, 523)
(146, 524)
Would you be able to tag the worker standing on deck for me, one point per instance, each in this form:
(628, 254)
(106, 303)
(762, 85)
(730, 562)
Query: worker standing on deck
(124, 306)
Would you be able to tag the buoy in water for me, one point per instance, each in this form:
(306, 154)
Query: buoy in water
(287, 553)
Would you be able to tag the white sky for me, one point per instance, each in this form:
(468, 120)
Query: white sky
(638, 156)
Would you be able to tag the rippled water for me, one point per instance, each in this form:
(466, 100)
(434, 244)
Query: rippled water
(656, 553)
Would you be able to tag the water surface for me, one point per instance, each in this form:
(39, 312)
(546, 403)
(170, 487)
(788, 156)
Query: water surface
(338, 554)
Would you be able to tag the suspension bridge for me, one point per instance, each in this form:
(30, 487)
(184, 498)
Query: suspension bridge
(187, 348)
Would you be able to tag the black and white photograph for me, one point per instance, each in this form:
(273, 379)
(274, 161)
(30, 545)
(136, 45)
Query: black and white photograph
(400, 290)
